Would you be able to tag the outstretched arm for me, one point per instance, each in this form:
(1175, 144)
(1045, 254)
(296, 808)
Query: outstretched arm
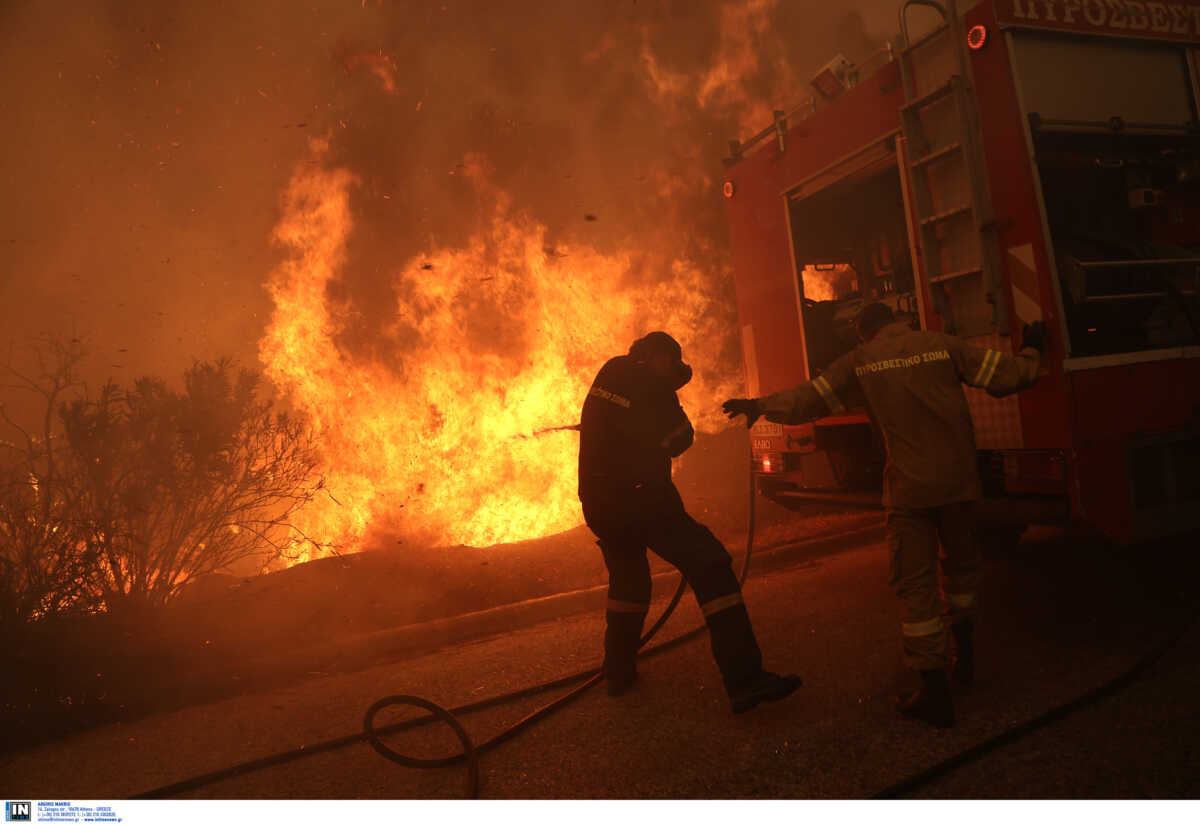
(997, 372)
(810, 400)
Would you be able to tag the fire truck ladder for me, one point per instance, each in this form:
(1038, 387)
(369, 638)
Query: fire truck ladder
(954, 222)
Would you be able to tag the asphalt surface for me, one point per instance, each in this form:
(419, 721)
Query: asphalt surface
(1061, 615)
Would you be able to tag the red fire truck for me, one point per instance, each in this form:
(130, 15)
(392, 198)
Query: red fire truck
(1022, 160)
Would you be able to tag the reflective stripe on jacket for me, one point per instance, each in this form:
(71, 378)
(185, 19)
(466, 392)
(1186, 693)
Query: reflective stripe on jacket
(911, 382)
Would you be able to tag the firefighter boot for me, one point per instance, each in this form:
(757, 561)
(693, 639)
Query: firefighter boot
(738, 657)
(766, 686)
(622, 636)
(931, 703)
(963, 674)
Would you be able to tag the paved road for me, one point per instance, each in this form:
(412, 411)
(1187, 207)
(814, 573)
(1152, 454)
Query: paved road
(1061, 616)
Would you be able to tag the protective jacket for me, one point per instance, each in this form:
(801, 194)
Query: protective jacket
(630, 428)
(911, 382)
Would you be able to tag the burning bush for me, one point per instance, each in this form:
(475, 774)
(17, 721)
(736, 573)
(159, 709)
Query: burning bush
(124, 497)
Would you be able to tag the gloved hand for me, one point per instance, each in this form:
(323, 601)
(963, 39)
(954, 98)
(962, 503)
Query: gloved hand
(743, 406)
(1035, 334)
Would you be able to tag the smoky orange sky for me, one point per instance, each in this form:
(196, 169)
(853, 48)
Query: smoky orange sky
(151, 146)
(147, 143)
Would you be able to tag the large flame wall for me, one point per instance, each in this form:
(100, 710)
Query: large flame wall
(499, 339)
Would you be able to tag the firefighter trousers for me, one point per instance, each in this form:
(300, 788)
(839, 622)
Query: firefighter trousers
(655, 519)
(914, 536)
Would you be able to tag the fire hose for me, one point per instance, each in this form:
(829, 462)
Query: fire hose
(583, 681)
(586, 679)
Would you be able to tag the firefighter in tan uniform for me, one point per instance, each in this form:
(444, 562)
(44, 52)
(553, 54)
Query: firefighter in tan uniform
(911, 382)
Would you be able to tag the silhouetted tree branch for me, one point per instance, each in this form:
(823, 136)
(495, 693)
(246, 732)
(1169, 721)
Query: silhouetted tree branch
(45, 568)
(180, 484)
(145, 489)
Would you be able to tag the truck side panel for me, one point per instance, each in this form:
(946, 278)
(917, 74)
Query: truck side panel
(1137, 431)
(764, 274)
(1023, 251)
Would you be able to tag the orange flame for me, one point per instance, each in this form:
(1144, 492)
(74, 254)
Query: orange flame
(740, 56)
(377, 64)
(500, 338)
(828, 283)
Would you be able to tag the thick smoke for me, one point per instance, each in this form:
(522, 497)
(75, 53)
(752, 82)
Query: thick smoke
(149, 142)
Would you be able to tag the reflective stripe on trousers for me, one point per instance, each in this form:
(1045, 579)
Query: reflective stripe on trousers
(921, 628)
(914, 536)
(724, 602)
(627, 606)
(691, 547)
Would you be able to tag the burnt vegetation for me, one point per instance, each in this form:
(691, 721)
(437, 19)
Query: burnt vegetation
(121, 497)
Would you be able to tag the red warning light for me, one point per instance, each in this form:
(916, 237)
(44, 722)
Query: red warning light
(727, 189)
(977, 37)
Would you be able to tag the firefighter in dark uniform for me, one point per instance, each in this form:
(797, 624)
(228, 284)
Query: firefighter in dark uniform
(911, 382)
(631, 427)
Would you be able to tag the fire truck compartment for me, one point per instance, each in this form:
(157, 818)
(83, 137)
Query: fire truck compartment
(850, 245)
(1124, 217)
